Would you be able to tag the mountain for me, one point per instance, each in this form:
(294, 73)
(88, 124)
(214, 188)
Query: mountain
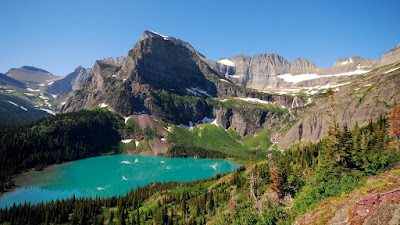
(8, 81)
(355, 101)
(32, 75)
(166, 78)
(16, 110)
(268, 71)
(391, 56)
(68, 83)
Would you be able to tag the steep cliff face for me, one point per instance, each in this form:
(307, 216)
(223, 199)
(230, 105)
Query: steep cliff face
(70, 82)
(366, 97)
(166, 78)
(391, 56)
(302, 66)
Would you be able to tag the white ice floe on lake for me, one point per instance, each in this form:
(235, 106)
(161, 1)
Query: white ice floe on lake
(168, 167)
(102, 105)
(100, 188)
(162, 162)
(136, 160)
(126, 141)
(391, 70)
(125, 162)
(214, 166)
(226, 62)
(197, 91)
(124, 178)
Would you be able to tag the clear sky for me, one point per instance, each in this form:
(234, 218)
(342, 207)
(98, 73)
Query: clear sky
(59, 35)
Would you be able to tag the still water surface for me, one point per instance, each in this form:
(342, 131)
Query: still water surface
(107, 176)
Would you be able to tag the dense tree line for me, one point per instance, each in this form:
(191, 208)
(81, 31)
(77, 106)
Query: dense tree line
(183, 151)
(56, 139)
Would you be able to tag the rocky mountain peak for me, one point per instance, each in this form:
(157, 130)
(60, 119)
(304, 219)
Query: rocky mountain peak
(391, 56)
(302, 66)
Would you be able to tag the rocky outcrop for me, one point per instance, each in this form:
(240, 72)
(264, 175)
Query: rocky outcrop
(358, 102)
(166, 78)
(302, 66)
(118, 60)
(70, 82)
(391, 56)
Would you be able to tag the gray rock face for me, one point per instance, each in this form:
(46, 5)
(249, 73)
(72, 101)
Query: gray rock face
(70, 82)
(118, 60)
(160, 76)
(302, 66)
(391, 56)
(344, 65)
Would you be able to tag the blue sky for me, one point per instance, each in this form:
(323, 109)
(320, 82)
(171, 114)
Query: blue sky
(59, 35)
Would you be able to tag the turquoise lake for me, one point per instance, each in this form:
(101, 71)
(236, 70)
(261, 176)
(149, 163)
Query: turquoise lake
(107, 176)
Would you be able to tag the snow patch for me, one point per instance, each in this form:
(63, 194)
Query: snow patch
(103, 105)
(54, 96)
(303, 77)
(126, 119)
(204, 120)
(126, 141)
(48, 111)
(137, 143)
(126, 162)
(13, 103)
(391, 70)
(162, 139)
(197, 92)
(50, 83)
(367, 85)
(234, 76)
(42, 85)
(32, 90)
(152, 34)
(347, 62)
(226, 62)
(63, 103)
(253, 100)
(43, 97)
(224, 80)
